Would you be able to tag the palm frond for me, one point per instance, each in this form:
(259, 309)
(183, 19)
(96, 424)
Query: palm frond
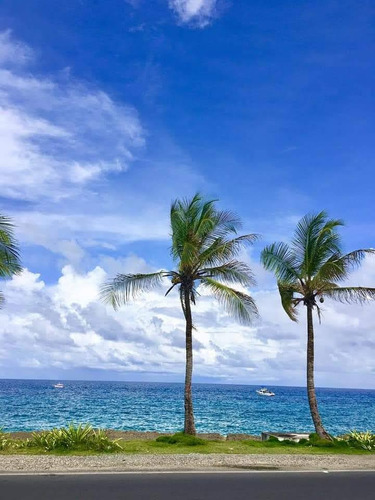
(179, 232)
(313, 266)
(314, 239)
(222, 250)
(9, 252)
(126, 286)
(204, 223)
(320, 313)
(198, 222)
(327, 243)
(193, 295)
(232, 272)
(226, 222)
(236, 303)
(183, 215)
(287, 294)
(350, 295)
(332, 270)
(189, 257)
(353, 260)
(280, 259)
(191, 223)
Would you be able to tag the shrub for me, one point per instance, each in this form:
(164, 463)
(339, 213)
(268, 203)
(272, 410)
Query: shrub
(166, 439)
(315, 440)
(81, 437)
(49, 440)
(23, 444)
(362, 440)
(304, 442)
(288, 442)
(101, 442)
(5, 442)
(181, 438)
(272, 439)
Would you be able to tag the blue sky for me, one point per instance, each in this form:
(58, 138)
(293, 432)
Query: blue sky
(111, 109)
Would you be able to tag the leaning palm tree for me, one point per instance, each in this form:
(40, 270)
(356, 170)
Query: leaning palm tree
(9, 253)
(204, 248)
(309, 270)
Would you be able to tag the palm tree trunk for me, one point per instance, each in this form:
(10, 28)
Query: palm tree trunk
(322, 433)
(189, 427)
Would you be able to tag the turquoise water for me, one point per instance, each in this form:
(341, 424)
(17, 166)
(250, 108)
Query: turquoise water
(27, 405)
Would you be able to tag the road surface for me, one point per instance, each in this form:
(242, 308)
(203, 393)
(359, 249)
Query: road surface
(191, 486)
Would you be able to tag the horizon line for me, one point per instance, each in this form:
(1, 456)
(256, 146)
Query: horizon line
(182, 383)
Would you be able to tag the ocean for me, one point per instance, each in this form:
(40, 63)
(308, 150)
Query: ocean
(27, 405)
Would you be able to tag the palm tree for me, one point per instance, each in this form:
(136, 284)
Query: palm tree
(309, 270)
(9, 253)
(204, 247)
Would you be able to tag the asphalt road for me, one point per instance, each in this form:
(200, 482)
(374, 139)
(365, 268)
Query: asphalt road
(190, 486)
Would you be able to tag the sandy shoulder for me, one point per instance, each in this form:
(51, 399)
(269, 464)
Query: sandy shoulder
(149, 462)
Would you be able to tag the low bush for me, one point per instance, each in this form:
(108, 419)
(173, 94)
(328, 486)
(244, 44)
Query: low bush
(315, 440)
(304, 442)
(5, 442)
(272, 439)
(9, 444)
(362, 440)
(288, 442)
(81, 437)
(182, 439)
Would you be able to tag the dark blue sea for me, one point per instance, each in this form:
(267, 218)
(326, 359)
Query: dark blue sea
(27, 405)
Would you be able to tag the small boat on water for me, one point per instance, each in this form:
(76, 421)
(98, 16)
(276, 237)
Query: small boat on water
(265, 392)
(58, 386)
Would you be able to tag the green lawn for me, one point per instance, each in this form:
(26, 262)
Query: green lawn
(84, 440)
(227, 447)
(233, 447)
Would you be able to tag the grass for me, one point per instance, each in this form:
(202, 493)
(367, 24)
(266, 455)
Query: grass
(84, 440)
(236, 447)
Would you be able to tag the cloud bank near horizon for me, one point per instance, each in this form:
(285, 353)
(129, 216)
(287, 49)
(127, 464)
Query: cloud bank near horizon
(64, 327)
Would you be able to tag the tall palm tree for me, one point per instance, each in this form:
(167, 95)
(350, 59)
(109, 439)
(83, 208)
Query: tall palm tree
(309, 270)
(9, 253)
(204, 248)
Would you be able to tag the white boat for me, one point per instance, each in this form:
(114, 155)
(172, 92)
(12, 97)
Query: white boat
(59, 386)
(265, 392)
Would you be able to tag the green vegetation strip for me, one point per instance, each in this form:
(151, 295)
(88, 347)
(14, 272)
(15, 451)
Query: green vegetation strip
(84, 440)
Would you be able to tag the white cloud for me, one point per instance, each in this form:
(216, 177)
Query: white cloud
(13, 52)
(58, 139)
(57, 134)
(199, 12)
(27, 282)
(74, 288)
(68, 234)
(130, 264)
(64, 325)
